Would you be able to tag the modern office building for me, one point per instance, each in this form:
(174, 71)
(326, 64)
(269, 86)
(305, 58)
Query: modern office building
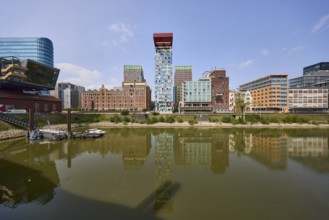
(182, 74)
(268, 93)
(163, 72)
(219, 90)
(133, 73)
(306, 100)
(134, 96)
(69, 94)
(39, 49)
(209, 93)
(195, 95)
(312, 75)
(21, 81)
(316, 67)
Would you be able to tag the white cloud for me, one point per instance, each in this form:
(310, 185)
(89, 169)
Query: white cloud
(120, 34)
(90, 79)
(265, 51)
(246, 63)
(322, 24)
(289, 51)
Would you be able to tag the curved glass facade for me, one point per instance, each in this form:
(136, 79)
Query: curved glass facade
(34, 48)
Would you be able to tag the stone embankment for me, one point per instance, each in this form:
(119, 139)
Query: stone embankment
(10, 134)
(205, 125)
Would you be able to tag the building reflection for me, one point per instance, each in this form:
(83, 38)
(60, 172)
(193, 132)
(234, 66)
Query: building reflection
(209, 149)
(164, 162)
(132, 145)
(273, 148)
(310, 151)
(28, 174)
(269, 150)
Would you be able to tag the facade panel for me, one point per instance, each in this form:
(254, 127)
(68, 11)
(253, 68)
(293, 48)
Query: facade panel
(163, 72)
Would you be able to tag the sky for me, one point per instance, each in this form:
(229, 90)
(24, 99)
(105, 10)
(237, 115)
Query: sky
(93, 40)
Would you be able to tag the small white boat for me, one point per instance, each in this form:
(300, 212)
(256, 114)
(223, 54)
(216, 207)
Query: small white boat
(95, 131)
(35, 135)
(53, 134)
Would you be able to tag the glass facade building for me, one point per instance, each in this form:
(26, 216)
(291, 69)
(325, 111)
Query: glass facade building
(197, 91)
(316, 67)
(163, 72)
(33, 48)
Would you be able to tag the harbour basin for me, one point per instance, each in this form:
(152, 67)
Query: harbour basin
(168, 174)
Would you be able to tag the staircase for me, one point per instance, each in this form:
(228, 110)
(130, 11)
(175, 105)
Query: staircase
(12, 120)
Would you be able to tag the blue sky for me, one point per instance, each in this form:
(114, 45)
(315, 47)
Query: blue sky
(250, 39)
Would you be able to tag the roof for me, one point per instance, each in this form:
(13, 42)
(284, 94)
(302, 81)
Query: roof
(163, 39)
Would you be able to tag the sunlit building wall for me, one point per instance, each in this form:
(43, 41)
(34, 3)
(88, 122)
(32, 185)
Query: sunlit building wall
(182, 74)
(308, 99)
(268, 93)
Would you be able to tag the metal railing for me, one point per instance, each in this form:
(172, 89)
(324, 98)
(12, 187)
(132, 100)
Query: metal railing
(12, 120)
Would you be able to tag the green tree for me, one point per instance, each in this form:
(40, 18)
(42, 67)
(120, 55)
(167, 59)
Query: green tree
(240, 106)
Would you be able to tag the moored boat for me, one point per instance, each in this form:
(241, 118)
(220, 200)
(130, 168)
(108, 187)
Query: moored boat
(35, 135)
(95, 131)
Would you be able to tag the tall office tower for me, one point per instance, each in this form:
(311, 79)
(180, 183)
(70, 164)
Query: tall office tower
(182, 74)
(163, 72)
(33, 48)
(133, 73)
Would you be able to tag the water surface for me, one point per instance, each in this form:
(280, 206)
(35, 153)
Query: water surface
(169, 174)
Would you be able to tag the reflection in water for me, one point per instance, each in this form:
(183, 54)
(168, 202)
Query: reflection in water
(209, 149)
(164, 167)
(310, 151)
(28, 172)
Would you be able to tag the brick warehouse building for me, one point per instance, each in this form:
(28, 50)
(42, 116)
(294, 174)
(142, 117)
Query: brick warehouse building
(219, 90)
(132, 96)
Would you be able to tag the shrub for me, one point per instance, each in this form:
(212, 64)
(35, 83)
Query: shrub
(180, 120)
(240, 120)
(125, 112)
(303, 120)
(170, 119)
(288, 119)
(155, 113)
(264, 121)
(115, 119)
(126, 119)
(192, 121)
(253, 118)
(154, 120)
(273, 119)
(161, 119)
(227, 119)
(213, 120)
